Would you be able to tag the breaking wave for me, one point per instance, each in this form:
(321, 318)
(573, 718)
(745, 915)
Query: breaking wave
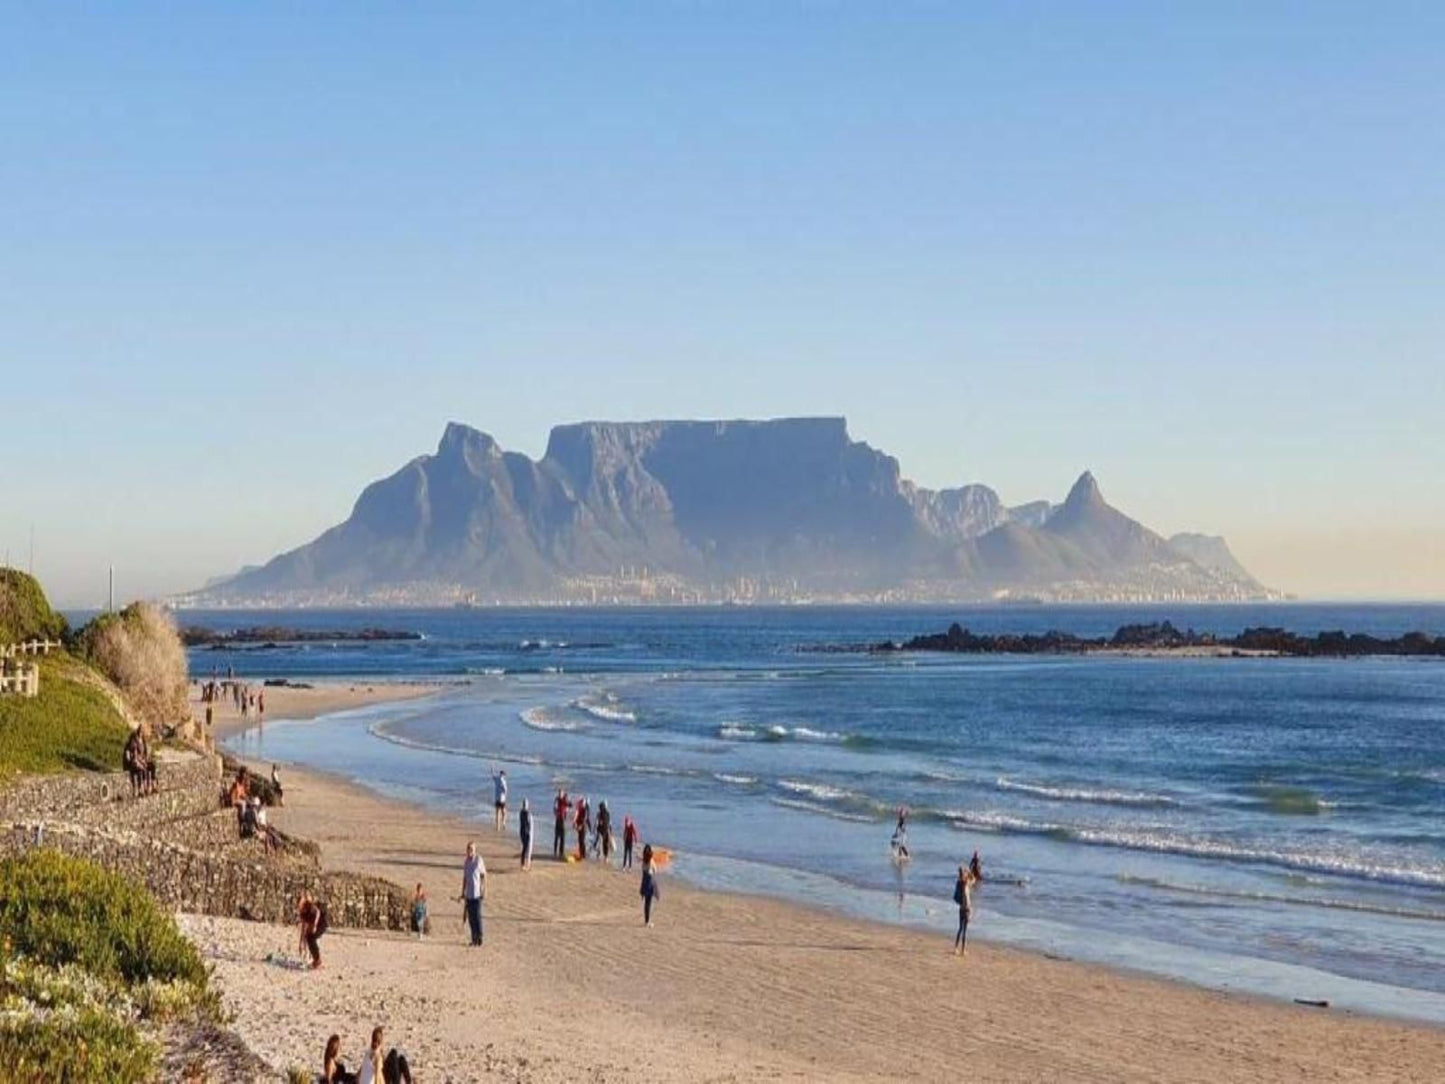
(1085, 794)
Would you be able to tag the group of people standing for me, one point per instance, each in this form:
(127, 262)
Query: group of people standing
(596, 830)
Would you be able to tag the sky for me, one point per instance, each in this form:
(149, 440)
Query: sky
(254, 256)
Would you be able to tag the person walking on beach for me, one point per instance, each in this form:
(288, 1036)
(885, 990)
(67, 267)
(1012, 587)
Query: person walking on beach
(963, 896)
(499, 799)
(899, 843)
(420, 923)
(474, 890)
(524, 824)
(650, 891)
(559, 831)
(629, 840)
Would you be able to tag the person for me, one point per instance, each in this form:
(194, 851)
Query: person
(524, 825)
(261, 703)
(377, 1068)
(131, 758)
(474, 890)
(420, 923)
(499, 799)
(559, 831)
(963, 896)
(650, 891)
(333, 1069)
(276, 786)
(582, 822)
(975, 867)
(248, 823)
(261, 827)
(311, 916)
(604, 832)
(629, 840)
(899, 843)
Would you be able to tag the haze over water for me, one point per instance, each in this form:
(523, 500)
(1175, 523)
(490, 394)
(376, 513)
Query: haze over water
(1272, 825)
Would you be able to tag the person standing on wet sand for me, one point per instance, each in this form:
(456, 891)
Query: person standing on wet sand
(583, 823)
(650, 890)
(524, 824)
(474, 890)
(499, 799)
(559, 830)
(963, 896)
(629, 840)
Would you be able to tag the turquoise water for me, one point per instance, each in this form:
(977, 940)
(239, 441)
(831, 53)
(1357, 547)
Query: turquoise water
(1263, 824)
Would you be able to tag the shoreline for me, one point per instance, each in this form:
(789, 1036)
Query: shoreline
(744, 987)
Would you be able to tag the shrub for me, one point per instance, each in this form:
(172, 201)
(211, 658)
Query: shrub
(140, 650)
(25, 614)
(71, 724)
(68, 1046)
(59, 910)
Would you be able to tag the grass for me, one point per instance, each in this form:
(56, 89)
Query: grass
(91, 962)
(24, 612)
(69, 725)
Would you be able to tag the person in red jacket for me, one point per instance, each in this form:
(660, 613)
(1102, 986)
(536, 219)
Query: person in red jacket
(582, 822)
(629, 840)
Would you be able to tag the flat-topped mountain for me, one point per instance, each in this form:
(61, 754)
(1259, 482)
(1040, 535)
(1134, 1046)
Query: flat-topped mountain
(692, 511)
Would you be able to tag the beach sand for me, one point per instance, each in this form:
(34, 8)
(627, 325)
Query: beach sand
(571, 987)
(293, 702)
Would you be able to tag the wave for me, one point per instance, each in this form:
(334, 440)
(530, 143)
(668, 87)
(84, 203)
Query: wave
(821, 791)
(812, 807)
(1084, 794)
(1338, 865)
(1278, 897)
(778, 732)
(606, 709)
(487, 671)
(538, 719)
(736, 780)
(658, 769)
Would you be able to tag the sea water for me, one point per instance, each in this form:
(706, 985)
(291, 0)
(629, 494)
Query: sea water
(1270, 825)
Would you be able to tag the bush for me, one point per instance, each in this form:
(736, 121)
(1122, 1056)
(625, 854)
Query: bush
(140, 650)
(59, 910)
(69, 1046)
(25, 614)
(71, 724)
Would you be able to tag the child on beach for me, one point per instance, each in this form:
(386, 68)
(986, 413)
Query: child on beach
(420, 923)
(650, 891)
(524, 825)
(629, 840)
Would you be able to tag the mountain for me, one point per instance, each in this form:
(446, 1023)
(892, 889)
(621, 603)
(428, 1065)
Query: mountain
(693, 511)
(1212, 552)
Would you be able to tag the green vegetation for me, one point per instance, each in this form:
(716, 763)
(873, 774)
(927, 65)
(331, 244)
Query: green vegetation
(91, 963)
(71, 724)
(24, 612)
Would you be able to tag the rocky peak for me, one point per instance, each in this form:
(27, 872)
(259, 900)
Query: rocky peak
(1085, 493)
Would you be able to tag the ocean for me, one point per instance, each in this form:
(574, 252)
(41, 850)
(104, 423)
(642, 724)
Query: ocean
(1274, 826)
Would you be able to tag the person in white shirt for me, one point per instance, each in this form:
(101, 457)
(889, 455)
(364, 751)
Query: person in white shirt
(474, 890)
(499, 799)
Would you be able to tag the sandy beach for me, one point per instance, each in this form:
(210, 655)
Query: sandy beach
(304, 701)
(571, 986)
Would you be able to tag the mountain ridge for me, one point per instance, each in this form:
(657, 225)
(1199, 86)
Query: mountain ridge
(790, 509)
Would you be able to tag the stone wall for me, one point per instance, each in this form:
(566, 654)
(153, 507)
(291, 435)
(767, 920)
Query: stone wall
(217, 884)
(188, 782)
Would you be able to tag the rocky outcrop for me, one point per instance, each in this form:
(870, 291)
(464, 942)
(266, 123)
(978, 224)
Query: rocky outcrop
(766, 509)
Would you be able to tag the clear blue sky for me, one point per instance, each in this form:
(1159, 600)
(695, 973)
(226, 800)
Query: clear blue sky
(255, 255)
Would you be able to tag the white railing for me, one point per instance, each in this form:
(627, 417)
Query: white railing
(30, 647)
(23, 680)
